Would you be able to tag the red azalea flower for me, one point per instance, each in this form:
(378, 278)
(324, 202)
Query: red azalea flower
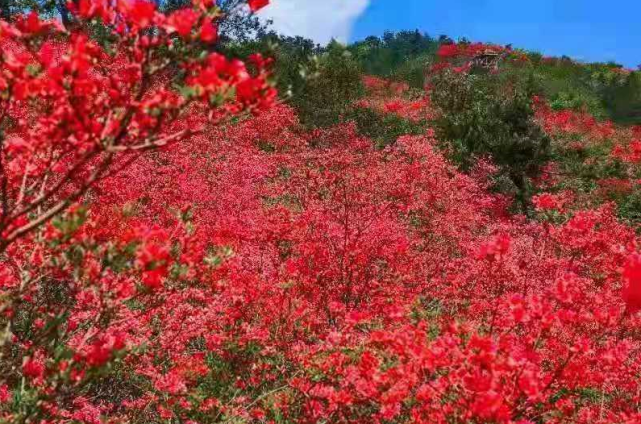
(33, 367)
(182, 21)
(141, 13)
(256, 5)
(208, 31)
(632, 289)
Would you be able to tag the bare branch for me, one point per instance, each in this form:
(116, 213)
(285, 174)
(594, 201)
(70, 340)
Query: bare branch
(59, 207)
(161, 142)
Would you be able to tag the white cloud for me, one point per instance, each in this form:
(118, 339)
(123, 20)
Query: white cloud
(319, 20)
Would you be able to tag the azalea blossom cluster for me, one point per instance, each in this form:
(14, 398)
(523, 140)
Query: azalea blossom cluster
(75, 109)
(69, 105)
(606, 153)
(568, 122)
(460, 57)
(389, 97)
(452, 50)
(630, 153)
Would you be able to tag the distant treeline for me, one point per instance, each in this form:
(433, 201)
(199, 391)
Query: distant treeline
(606, 90)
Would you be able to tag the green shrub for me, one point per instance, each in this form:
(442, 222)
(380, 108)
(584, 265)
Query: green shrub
(492, 116)
(383, 128)
(387, 55)
(413, 71)
(332, 82)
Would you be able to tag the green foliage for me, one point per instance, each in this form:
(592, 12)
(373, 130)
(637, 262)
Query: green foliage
(320, 83)
(332, 82)
(70, 223)
(604, 90)
(401, 54)
(624, 100)
(578, 101)
(413, 71)
(491, 116)
(629, 207)
(293, 56)
(384, 129)
(591, 163)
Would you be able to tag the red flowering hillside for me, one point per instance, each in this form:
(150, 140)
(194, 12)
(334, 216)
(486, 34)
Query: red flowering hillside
(190, 252)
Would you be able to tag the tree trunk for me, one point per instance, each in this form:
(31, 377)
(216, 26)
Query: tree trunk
(522, 193)
(65, 15)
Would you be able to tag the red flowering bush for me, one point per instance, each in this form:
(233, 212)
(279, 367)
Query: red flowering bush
(70, 106)
(469, 50)
(265, 273)
(74, 111)
(596, 161)
(567, 122)
(387, 97)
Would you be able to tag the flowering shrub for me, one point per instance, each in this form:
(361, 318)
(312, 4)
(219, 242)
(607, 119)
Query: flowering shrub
(73, 112)
(469, 49)
(266, 273)
(69, 105)
(596, 160)
(393, 98)
(566, 122)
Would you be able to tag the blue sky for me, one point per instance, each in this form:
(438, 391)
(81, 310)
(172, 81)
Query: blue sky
(588, 30)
